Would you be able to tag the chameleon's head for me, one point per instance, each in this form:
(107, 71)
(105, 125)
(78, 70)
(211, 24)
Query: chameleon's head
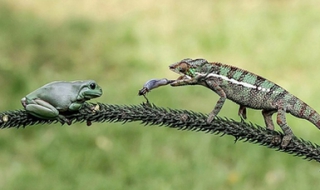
(89, 89)
(188, 67)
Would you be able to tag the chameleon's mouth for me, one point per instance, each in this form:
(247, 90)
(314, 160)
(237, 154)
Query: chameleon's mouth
(182, 75)
(186, 76)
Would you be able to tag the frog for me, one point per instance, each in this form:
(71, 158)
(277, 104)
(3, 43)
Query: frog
(53, 99)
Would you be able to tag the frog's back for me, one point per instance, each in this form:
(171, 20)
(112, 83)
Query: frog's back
(60, 94)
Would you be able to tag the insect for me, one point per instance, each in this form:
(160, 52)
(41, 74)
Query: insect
(50, 100)
(151, 84)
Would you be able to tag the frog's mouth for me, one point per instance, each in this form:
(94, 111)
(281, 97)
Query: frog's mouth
(92, 94)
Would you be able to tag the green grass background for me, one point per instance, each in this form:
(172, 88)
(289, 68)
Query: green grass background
(121, 45)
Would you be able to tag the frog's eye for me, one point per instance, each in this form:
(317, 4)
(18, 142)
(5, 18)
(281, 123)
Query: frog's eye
(183, 68)
(92, 86)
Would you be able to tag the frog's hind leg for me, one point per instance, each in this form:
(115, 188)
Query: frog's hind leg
(42, 109)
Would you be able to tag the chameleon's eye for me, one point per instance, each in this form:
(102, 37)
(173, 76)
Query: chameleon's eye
(183, 67)
(92, 86)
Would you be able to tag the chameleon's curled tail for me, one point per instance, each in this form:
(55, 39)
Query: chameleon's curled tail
(304, 111)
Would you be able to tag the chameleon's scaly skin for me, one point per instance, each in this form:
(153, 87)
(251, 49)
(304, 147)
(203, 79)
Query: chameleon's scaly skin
(247, 90)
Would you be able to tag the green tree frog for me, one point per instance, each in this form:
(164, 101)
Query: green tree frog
(48, 101)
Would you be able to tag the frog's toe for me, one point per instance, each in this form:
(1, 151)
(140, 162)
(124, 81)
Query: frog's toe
(62, 119)
(24, 102)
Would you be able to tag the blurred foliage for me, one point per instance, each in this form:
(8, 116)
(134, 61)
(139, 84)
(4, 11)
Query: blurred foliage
(122, 44)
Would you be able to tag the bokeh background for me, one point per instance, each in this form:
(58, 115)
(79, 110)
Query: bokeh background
(121, 44)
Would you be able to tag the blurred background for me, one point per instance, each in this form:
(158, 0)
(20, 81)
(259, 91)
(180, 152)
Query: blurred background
(121, 44)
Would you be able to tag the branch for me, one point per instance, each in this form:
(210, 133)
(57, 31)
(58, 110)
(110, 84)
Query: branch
(179, 119)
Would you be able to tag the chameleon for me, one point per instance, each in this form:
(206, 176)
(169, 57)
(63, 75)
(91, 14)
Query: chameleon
(246, 89)
(52, 99)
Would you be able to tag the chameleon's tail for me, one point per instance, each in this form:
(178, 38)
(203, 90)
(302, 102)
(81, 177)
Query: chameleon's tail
(304, 111)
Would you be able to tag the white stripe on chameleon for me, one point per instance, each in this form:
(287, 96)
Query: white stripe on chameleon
(237, 82)
(232, 80)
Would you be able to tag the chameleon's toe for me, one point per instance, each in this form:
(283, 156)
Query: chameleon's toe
(276, 140)
(286, 140)
(210, 119)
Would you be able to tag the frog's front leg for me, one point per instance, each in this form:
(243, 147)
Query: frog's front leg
(75, 106)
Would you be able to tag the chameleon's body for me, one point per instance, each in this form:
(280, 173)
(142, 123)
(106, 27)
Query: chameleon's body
(247, 90)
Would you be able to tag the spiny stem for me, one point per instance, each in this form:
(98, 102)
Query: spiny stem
(179, 119)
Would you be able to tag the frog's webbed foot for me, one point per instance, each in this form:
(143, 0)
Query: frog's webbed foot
(62, 119)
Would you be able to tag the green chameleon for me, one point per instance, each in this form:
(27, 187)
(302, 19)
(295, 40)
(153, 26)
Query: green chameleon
(48, 101)
(244, 88)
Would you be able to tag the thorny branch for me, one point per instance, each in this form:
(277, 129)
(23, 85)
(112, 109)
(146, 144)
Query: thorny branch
(179, 119)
